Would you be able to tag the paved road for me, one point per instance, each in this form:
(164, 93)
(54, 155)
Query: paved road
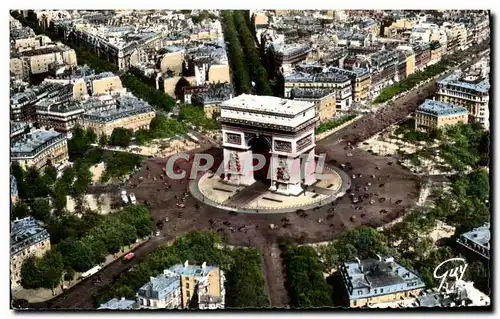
(399, 184)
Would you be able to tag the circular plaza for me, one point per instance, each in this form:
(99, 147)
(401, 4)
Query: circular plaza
(257, 198)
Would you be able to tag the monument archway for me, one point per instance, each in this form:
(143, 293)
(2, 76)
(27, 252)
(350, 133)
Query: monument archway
(283, 127)
(261, 145)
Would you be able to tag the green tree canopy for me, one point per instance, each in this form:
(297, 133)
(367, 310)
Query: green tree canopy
(121, 137)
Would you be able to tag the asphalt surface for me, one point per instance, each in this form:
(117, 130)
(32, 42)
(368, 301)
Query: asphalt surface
(388, 190)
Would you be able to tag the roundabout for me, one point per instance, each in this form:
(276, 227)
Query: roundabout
(258, 199)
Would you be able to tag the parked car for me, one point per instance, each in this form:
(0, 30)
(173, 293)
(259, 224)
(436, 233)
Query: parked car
(180, 205)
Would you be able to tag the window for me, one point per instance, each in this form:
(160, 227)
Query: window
(375, 291)
(188, 294)
(187, 285)
(381, 290)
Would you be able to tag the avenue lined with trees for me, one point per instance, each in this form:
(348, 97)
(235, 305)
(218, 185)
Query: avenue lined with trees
(244, 281)
(109, 235)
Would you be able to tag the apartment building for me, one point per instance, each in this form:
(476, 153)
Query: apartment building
(457, 36)
(384, 69)
(324, 99)
(62, 116)
(105, 83)
(168, 83)
(360, 81)
(477, 241)
(290, 54)
(371, 281)
(422, 55)
(205, 281)
(39, 147)
(30, 43)
(13, 190)
(177, 286)
(437, 52)
(172, 58)
(469, 91)
(212, 98)
(118, 304)
(208, 63)
(18, 130)
(125, 111)
(187, 92)
(161, 292)
(41, 60)
(23, 103)
(27, 238)
(336, 82)
(433, 115)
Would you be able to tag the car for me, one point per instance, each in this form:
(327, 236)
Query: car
(129, 256)
(233, 213)
(180, 205)
(158, 233)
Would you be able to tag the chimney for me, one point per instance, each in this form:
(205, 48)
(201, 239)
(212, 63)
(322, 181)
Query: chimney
(358, 261)
(151, 278)
(123, 298)
(204, 265)
(186, 264)
(379, 257)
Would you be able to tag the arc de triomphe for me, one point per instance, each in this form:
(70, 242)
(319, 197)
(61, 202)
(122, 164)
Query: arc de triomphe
(281, 130)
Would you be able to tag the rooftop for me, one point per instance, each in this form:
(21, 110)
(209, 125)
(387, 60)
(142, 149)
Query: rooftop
(34, 140)
(215, 93)
(480, 236)
(192, 270)
(437, 108)
(124, 105)
(364, 277)
(26, 232)
(17, 126)
(118, 304)
(160, 286)
(307, 93)
(482, 86)
(269, 104)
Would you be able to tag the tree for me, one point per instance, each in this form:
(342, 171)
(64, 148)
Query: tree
(40, 209)
(31, 274)
(78, 144)
(68, 176)
(103, 140)
(76, 255)
(161, 127)
(121, 137)
(479, 184)
(91, 136)
(366, 241)
(139, 217)
(99, 251)
(83, 180)
(52, 267)
(329, 257)
(35, 186)
(44, 272)
(142, 137)
(244, 282)
(307, 286)
(61, 191)
(20, 174)
(20, 210)
(49, 174)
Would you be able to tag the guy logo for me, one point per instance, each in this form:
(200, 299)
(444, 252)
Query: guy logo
(457, 273)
